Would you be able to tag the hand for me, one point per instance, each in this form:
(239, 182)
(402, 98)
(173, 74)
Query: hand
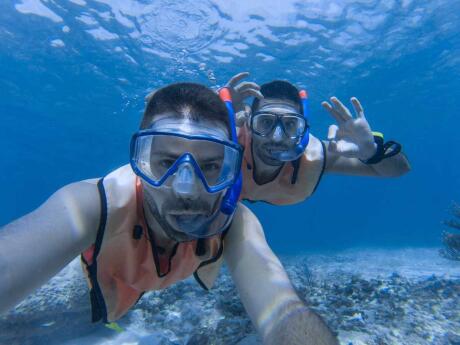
(351, 137)
(241, 91)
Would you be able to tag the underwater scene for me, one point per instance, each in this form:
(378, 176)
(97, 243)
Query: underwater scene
(374, 251)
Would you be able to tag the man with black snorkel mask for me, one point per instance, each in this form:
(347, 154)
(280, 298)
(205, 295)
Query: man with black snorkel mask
(171, 213)
(283, 162)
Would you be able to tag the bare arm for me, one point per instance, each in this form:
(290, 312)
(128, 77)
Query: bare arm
(267, 294)
(390, 167)
(352, 140)
(38, 245)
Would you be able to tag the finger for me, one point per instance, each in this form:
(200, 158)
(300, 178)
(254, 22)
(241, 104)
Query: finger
(241, 118)
(358, 107)
(332, 147)
(341, 109)
(332, 111)
(253, 93)
(237, 78)
(332, 132)
(247, 85)
(248, 110)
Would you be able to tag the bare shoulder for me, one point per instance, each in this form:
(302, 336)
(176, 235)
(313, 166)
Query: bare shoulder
(76, 206)
(83, 194)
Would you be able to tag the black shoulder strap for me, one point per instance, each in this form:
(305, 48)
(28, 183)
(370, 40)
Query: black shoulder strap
(323, 167)
(295, 173)
(219, 253)
(103, 219)
(98, 306)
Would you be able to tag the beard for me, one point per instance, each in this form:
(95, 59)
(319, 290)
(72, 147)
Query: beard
(267, 153)
(181, 218)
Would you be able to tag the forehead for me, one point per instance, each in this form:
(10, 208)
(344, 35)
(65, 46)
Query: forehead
(178, 124)
(280, 105)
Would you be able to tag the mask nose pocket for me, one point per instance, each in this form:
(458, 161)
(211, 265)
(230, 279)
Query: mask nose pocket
(278, 133)
(185, 181)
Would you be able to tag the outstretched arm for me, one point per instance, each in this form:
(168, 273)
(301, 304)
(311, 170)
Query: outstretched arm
(277, 312)
(389, 167)
(351, 143)
(37, 246)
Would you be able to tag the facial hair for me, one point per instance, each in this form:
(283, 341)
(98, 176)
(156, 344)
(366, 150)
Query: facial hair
(180, 206)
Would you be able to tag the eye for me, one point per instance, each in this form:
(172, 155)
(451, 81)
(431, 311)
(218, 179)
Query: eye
(293, 121)
(290, 124)
(165, 163)
(210, 167)
(267, 122)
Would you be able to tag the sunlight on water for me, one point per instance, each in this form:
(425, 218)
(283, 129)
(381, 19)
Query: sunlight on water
(341, 41)
(74, 75)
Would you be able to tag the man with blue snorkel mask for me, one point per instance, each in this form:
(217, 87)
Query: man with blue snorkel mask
(283, 163)
(172, 212)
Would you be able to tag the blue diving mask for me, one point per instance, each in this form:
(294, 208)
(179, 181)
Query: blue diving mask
(293, 125)
(156, 156)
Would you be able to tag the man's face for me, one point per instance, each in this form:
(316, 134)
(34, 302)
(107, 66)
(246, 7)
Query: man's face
(182, 202)
(266, 147)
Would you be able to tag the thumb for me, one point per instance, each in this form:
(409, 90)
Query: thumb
(332, 132)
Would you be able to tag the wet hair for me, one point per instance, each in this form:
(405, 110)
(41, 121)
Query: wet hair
(190, 101)
(279, 89)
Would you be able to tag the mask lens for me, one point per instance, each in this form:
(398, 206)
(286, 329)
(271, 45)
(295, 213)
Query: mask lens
(263, 123)
(294, 126)
(159, 156)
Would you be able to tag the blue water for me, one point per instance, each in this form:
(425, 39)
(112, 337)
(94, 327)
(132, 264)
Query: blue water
(74, 74)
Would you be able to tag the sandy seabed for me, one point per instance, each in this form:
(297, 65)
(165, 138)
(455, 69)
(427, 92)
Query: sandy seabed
(369, 296)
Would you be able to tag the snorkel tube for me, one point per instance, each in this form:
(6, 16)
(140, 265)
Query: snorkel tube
(231, 197)
(305, 107)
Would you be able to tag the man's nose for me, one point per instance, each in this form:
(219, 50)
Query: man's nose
(185, 183)
(278, 134)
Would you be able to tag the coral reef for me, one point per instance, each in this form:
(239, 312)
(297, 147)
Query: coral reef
(451, 240)
(370, 297)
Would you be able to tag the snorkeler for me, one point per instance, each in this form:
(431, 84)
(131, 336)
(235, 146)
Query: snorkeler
(283, 162)
(160, 219)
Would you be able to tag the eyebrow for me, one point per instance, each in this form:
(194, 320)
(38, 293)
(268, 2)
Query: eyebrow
(212, 159)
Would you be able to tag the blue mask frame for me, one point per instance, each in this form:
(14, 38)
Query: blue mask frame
(278, 122)
(187, 157)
